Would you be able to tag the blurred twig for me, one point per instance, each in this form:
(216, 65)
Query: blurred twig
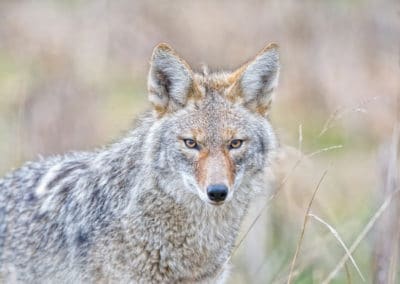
(361, 236)
(300, 138)
(309, 257)
(324, 150)
(348, 275)
(387, 239)
(339, 239)
(304, 227)
(340, 112)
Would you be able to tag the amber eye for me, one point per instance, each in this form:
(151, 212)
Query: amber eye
(190, 143)
(235, 144)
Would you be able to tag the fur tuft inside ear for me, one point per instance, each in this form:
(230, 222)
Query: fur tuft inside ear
(259, 79)
(169, 80)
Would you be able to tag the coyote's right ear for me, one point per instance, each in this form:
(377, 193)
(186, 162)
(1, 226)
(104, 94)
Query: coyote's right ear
(256, 81)
(170, 80)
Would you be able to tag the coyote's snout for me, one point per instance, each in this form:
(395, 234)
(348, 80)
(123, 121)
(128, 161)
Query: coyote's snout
(216, 174)
(143, 210)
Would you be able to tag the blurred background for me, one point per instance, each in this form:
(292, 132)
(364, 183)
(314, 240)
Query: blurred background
(73, 77)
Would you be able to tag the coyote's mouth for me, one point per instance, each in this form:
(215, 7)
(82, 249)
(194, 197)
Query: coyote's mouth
(215, 203)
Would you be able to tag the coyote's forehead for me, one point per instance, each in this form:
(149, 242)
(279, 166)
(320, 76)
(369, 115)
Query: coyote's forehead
(215, 82)
(214, 118)
(214, 125)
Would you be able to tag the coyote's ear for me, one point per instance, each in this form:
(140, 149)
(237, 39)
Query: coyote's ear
(170, 80)
(256, 81)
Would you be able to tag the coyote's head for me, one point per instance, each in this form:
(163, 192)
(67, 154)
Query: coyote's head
(211, 131)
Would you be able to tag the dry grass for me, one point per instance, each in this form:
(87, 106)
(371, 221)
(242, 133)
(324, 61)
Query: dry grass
(303, 228)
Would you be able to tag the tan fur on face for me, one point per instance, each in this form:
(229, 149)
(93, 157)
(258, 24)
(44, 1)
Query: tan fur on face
(198, 134)
(263, 109)
(229, 134)
(216, 168)
(201, 169)
(230, 167)
(194, 93)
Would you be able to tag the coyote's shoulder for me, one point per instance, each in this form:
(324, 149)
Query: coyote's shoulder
(163, 204)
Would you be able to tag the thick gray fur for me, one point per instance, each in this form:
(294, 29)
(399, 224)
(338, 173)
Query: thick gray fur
(132, 212)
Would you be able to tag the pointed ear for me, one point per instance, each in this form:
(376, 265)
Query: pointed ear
(256, 81)
(170, 80)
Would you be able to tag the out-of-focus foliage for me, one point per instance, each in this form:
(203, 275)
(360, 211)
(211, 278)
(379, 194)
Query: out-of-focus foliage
(73, 76)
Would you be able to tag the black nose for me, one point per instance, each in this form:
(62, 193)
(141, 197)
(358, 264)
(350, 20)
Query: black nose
(217, 192)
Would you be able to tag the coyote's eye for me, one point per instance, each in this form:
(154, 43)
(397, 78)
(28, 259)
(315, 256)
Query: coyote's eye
(190, 143)
(235, 144)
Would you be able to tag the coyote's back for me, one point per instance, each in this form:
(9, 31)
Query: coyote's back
(163, 204)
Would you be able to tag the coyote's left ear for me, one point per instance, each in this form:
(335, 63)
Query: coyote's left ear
(170, 80)
(256, 81)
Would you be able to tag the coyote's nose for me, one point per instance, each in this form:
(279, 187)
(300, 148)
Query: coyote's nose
(217, 192)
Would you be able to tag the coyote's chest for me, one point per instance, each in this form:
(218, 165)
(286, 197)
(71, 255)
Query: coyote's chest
(175, 246)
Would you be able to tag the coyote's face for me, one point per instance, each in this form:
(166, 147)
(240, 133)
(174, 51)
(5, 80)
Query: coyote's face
(211, 130)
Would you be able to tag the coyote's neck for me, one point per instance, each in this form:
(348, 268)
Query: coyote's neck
(192, 241)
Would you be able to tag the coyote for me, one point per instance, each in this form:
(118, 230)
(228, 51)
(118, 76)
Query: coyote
(162, 205)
